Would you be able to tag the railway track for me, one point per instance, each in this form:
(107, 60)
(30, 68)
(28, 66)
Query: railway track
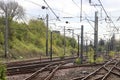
(107, 71)
(39, 75)
(35, 61)
(32, 67)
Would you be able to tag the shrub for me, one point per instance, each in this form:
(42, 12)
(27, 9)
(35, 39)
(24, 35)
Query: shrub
(2, 72)
(77, 60)
(100, 59)
(112, 54)
(61, 56)
(91, 57)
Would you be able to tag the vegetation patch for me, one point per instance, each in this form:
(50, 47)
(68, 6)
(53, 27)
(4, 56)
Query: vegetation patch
(112, 53)
(91, 55)
(77, 61)
(99, 59)
(2, 72)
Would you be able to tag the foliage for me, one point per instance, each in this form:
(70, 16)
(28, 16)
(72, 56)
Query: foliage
(112, 53)
(28, 40)
(12, 9)
(101, 45)
(61, 55)
(91, 55)
(101, 42)
(77, 60)
(2, 72)
(99, 59)
(100, 48)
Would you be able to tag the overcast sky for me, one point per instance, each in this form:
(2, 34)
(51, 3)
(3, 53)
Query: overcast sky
(71, 8)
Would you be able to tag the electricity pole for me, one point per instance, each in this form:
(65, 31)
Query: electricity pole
(51, 46)
(80, 10)
(6, 34)
(96, 36)
(81, 54)
(64, 41)
(47, 35)
(86, 47)
(47, 16)
(64, 38)
(73, 33)
(78, 47)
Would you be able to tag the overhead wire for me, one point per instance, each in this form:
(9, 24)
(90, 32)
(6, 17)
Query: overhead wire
(54, 13)
(84, 13)
(34, 3)
(107, 15)
(51, 10)
(42, 5)
(80, 10)
(102, 7)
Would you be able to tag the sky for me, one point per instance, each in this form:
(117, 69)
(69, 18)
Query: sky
(69, 10)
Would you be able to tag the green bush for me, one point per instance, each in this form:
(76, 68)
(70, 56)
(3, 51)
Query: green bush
(91, 56)
(2, 72)
(77, 60)
(29, 40)
(61, 56)
(100, 59)
(112, 54)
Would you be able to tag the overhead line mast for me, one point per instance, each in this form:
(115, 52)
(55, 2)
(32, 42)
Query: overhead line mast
(107, 14)
(51, 10)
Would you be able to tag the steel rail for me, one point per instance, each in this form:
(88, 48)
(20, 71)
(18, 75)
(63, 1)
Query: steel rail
(34, 74)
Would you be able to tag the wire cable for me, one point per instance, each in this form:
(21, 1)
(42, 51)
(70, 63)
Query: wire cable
(34, 3)
(81, 11)
(84, 13)
(51, 10)
(107, 14)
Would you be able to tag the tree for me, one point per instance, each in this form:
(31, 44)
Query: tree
(112, 43)
(13, 11)
(8, 11)
(101, 42)
(101, 46)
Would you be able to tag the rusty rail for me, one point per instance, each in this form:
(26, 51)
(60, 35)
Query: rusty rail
(42, 69)
(104, 75)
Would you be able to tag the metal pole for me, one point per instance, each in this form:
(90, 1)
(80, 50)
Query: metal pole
(73, 33)
(6, 34)
(95, 36)
(78, 47)
(86, 47)
(107, 47)
(81, 54)
(81, 11)
(51, 46)
(47, 35)
(64, 41)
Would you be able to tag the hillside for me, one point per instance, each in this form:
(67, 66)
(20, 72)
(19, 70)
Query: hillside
(28, 40)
